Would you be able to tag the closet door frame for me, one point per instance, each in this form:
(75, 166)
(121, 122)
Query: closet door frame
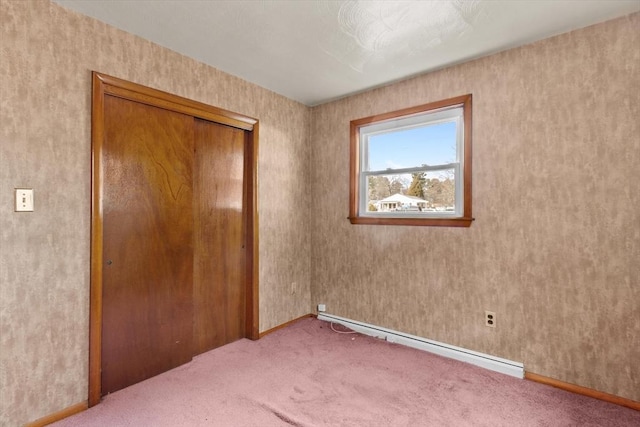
(104, 85)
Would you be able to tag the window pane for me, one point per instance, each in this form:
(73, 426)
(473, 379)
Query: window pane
(440, 191)
(416, 193)
(425, 145)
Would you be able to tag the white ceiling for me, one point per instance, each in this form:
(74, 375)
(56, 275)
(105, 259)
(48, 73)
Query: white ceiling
(314, 51)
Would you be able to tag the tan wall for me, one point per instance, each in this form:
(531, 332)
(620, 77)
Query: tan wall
(48, 54)
(555, 247)
(553, 250)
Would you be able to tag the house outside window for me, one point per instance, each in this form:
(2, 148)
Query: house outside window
(413, 166)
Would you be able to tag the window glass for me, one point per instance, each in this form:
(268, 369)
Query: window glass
(424, 145)
(413, 164)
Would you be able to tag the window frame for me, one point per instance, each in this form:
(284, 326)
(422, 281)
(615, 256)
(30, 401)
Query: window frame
(356, 175)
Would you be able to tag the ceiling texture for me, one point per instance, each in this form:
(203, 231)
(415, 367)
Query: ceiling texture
(315, 51)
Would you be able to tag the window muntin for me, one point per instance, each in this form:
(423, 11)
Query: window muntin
(413, 166)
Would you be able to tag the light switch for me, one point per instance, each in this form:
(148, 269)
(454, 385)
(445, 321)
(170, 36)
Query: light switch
(24, 199)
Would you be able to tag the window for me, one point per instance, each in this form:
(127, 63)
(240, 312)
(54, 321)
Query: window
(413, 166)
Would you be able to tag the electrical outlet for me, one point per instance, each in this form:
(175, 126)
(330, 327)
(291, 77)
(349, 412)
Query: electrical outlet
(322, 308)
(490, 319)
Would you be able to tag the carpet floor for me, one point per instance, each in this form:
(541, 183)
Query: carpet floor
(308, 375)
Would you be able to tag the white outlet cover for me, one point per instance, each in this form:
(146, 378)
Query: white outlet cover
(24, 199)
(490, 319)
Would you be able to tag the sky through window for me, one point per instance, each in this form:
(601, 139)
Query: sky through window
(430, 145)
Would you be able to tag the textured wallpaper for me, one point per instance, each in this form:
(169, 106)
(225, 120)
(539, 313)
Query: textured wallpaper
(555, 246)
(553, 250)
(48, 54)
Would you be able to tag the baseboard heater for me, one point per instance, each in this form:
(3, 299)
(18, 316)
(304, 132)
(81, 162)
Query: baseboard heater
(508, 367)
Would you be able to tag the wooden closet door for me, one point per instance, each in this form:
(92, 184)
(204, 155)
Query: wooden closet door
(147, 323)
(219, 239)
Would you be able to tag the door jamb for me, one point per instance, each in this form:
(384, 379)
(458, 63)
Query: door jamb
(103, 85)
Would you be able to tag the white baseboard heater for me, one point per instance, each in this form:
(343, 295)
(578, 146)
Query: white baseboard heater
(508, 367)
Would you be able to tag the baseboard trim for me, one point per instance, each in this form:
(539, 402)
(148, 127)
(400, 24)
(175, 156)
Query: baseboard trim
(57, 416)
(585, 391)
(284, 325)
(508, 367)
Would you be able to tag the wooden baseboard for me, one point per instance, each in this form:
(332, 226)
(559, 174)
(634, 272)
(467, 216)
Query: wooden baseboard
(57, 416)
(284, 325)
(611, 398)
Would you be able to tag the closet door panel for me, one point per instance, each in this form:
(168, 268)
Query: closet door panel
(219, 236)
(147, 323)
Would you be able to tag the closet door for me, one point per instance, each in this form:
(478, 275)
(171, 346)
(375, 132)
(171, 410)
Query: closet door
(147, 298)
(174, 236)
(219, 236)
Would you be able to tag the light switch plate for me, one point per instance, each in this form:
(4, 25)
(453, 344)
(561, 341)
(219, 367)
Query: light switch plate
(24, 199)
